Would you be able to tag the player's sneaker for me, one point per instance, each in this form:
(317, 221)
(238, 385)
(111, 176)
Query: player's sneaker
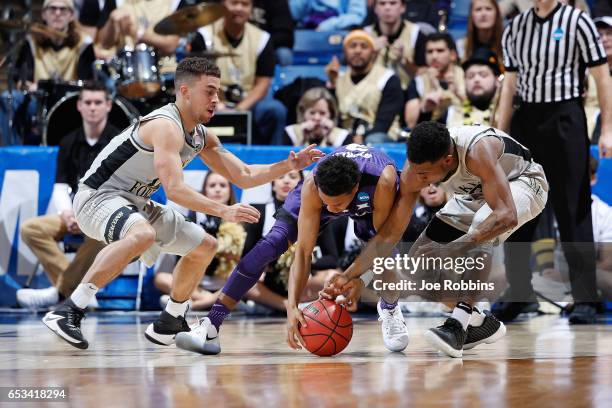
(448, 338)
(488, 332)
(164, 330)
(394, 329)
(65, 321)
(202, 339)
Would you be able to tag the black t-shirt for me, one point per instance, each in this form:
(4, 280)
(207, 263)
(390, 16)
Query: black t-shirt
(90, 12)
(75, 155)
(274, 17)
(265, 61)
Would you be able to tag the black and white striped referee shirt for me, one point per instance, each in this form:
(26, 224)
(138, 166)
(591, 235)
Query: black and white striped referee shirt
(552, 53)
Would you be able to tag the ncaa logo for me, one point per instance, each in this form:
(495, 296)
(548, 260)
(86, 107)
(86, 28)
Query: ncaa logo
(363, 196)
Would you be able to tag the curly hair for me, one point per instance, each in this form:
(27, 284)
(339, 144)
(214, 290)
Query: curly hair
(192, 68)
(337, 175)
(428, 142)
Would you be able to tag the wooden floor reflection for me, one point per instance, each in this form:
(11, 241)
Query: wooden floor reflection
(542, 362)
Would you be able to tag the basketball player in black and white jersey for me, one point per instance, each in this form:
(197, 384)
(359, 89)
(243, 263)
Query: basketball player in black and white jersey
(113, 201)
(495, 188)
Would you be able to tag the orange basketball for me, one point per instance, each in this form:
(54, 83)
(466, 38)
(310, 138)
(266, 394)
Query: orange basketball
(329, 328)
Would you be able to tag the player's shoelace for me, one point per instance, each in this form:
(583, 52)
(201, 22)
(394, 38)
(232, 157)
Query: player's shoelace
(395, 323)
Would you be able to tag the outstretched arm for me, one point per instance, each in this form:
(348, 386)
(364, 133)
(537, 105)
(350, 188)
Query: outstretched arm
(167, 141)
(308, 230)
(245, 175)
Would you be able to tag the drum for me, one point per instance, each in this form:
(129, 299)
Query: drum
(64, 118)
(137, 71)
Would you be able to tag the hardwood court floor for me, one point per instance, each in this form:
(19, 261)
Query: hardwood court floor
(541, 362)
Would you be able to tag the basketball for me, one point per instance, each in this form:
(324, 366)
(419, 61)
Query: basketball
(329, 328)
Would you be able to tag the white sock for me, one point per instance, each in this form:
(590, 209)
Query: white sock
(460, 312)
(82, 294)
(477, 317)
(177, 309)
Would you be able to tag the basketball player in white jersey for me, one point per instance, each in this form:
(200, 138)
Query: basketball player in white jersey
(495, 188)
(113, 201)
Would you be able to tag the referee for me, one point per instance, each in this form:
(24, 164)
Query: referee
(546, 51)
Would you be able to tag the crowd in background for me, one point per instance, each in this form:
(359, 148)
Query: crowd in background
(400, 65)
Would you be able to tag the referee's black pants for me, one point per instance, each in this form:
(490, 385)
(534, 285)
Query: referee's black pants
(556, 134)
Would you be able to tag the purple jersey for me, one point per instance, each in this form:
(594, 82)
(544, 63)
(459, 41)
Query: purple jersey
(371, 163)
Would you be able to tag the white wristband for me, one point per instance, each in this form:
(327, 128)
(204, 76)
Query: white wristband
(367, 278)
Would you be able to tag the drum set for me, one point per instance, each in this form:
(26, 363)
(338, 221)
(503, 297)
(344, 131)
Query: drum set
(133, 75)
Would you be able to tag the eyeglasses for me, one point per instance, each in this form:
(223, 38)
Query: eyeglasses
(61, 10)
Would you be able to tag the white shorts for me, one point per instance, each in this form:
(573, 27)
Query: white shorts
(108, 215)
(529, 193)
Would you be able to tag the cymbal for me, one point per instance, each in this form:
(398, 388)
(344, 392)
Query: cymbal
(189, 19)
(212, 54)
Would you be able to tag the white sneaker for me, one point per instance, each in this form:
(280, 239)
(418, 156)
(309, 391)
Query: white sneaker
(37, 298)
(202, 339)
(394, 329)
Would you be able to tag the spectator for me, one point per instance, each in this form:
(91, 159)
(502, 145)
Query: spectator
(431, 199)
(441, 85)
(591, 104)
(230, 238)
(328, 15)
(132, 23)
(399, 43)
(602, 236)
(485, 27)
(481, 85)
(317, 115)
(43, 57)
(274, 17)
(369, 95)
(245, 77)
(427, 14)
(77, 151)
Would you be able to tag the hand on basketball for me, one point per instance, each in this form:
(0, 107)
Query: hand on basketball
(333, 286)
(295, 318)
(241, 213)
(304, 158)
(351, 292)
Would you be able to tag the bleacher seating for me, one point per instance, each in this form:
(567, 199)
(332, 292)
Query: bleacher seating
(284, 76)
(315, 47)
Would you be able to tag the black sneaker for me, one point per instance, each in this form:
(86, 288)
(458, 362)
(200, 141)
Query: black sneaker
(508, 311)
(488, 332)
(448, 338)
(583, 313)
(165, 328)
(65, 321)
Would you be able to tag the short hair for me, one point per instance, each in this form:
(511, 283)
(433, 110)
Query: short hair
(311, 97)
(191, 68)
(401, 1)
(428, 142)
(94, 87)
(337, 175)
(450, 43)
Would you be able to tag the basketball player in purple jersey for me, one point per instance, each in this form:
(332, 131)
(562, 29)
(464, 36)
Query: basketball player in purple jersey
(354, 180)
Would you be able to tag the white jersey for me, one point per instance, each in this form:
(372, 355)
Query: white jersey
(126, 163)
(515, 159)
